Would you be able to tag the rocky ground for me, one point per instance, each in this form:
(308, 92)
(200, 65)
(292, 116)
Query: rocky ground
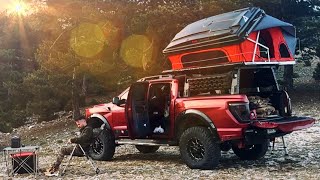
(303, 161)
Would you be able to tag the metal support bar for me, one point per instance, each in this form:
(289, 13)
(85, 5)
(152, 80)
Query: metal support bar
(69, 159)
(255, 47)
(90, 161)
(97, 170)
(284, 146)
(21, 162)
(256, 42)
(272, 149)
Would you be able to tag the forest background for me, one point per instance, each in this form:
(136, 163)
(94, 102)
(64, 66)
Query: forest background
(59, 55)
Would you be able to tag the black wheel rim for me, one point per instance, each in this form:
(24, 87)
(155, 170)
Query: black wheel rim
(195, 149)
(97, 146)
(249, 147)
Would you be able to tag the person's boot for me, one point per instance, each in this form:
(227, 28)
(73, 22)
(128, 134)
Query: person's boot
(52, 171)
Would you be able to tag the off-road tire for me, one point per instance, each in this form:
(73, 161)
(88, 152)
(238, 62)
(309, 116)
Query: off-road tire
(199, 149)
(252, 152)
(103, 147)
(147, 149)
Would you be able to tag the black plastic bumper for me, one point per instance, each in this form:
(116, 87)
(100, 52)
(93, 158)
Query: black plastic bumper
(257, 136)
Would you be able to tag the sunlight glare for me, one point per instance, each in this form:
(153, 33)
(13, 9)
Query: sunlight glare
(136, 51)
(18, 7)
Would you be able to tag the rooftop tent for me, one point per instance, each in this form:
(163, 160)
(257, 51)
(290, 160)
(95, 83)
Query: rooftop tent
(246, 35)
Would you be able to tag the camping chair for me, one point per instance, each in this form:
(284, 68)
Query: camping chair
(96, 134)
(89, 159)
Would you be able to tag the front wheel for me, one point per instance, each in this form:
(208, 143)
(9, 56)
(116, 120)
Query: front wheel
(252, 152)
(147, 149)
(198, 148)
(103, 147)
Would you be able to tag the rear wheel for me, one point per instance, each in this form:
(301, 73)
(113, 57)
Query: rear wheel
(198, 148)
(103, 147)
(147, 149)
(252, 152)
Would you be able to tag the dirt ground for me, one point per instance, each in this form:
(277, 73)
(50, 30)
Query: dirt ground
(303, 161)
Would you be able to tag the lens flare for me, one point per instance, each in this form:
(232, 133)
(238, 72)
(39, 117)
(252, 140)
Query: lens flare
(18, 7)
(111, 33)
(136, 51)
(87, 40)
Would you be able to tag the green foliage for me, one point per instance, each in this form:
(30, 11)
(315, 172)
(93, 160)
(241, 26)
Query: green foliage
(48, 93)
(37, 64)
(93, 102)
(318, 51)
(316, 73)
(308, 30)
(12, 119)
(296, 75)
(307, 62)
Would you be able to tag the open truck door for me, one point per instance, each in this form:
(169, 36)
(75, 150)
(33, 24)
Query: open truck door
(137, 111)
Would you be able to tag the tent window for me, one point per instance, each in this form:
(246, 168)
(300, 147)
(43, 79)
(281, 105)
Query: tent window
(204, 59)
(284, 51)
(266, 40)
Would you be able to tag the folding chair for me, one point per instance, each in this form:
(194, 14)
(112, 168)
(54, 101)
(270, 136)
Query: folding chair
(89, 159)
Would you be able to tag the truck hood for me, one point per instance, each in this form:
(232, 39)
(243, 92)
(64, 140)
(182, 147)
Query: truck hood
(100, 108)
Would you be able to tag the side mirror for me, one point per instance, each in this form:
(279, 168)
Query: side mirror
(116, 101)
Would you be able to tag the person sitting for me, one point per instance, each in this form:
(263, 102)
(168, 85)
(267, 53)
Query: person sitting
(160, 109)
(84, 139)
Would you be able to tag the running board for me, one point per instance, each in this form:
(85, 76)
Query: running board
(145, 142)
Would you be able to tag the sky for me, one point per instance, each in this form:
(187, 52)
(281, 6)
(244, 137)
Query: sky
(4, 4)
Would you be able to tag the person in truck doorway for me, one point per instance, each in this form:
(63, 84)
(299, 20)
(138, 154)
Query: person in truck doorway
(84, 139)
(160, 108)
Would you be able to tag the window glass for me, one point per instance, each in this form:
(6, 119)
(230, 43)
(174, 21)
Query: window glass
(284, 53)
(124, 94)
(266, 40)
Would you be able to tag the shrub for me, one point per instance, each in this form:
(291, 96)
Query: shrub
(93, 102)
(307, 63)
(318, 51)
(316, 73)
(295, 75)
(12, 119)
(45, 109)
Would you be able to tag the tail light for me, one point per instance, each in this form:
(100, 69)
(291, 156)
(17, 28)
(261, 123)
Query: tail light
(240, 111)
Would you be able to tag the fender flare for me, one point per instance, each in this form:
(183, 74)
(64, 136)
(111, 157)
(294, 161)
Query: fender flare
(102, 118)
(196, 113)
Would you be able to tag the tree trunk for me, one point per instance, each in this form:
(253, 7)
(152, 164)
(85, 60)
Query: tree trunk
(288, 76)
(84, 86)
(75, 96)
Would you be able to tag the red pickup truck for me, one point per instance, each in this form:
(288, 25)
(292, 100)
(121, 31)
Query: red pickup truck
(202, 111)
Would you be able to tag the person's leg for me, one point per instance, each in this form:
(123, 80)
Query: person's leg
(63, 151)
(163, 123)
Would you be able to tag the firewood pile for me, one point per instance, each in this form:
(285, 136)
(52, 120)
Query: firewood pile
(262, 106)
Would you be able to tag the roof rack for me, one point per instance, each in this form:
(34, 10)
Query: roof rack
(156, 77)
(185, 70)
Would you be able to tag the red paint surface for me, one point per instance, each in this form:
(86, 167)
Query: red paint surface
(242, 52)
